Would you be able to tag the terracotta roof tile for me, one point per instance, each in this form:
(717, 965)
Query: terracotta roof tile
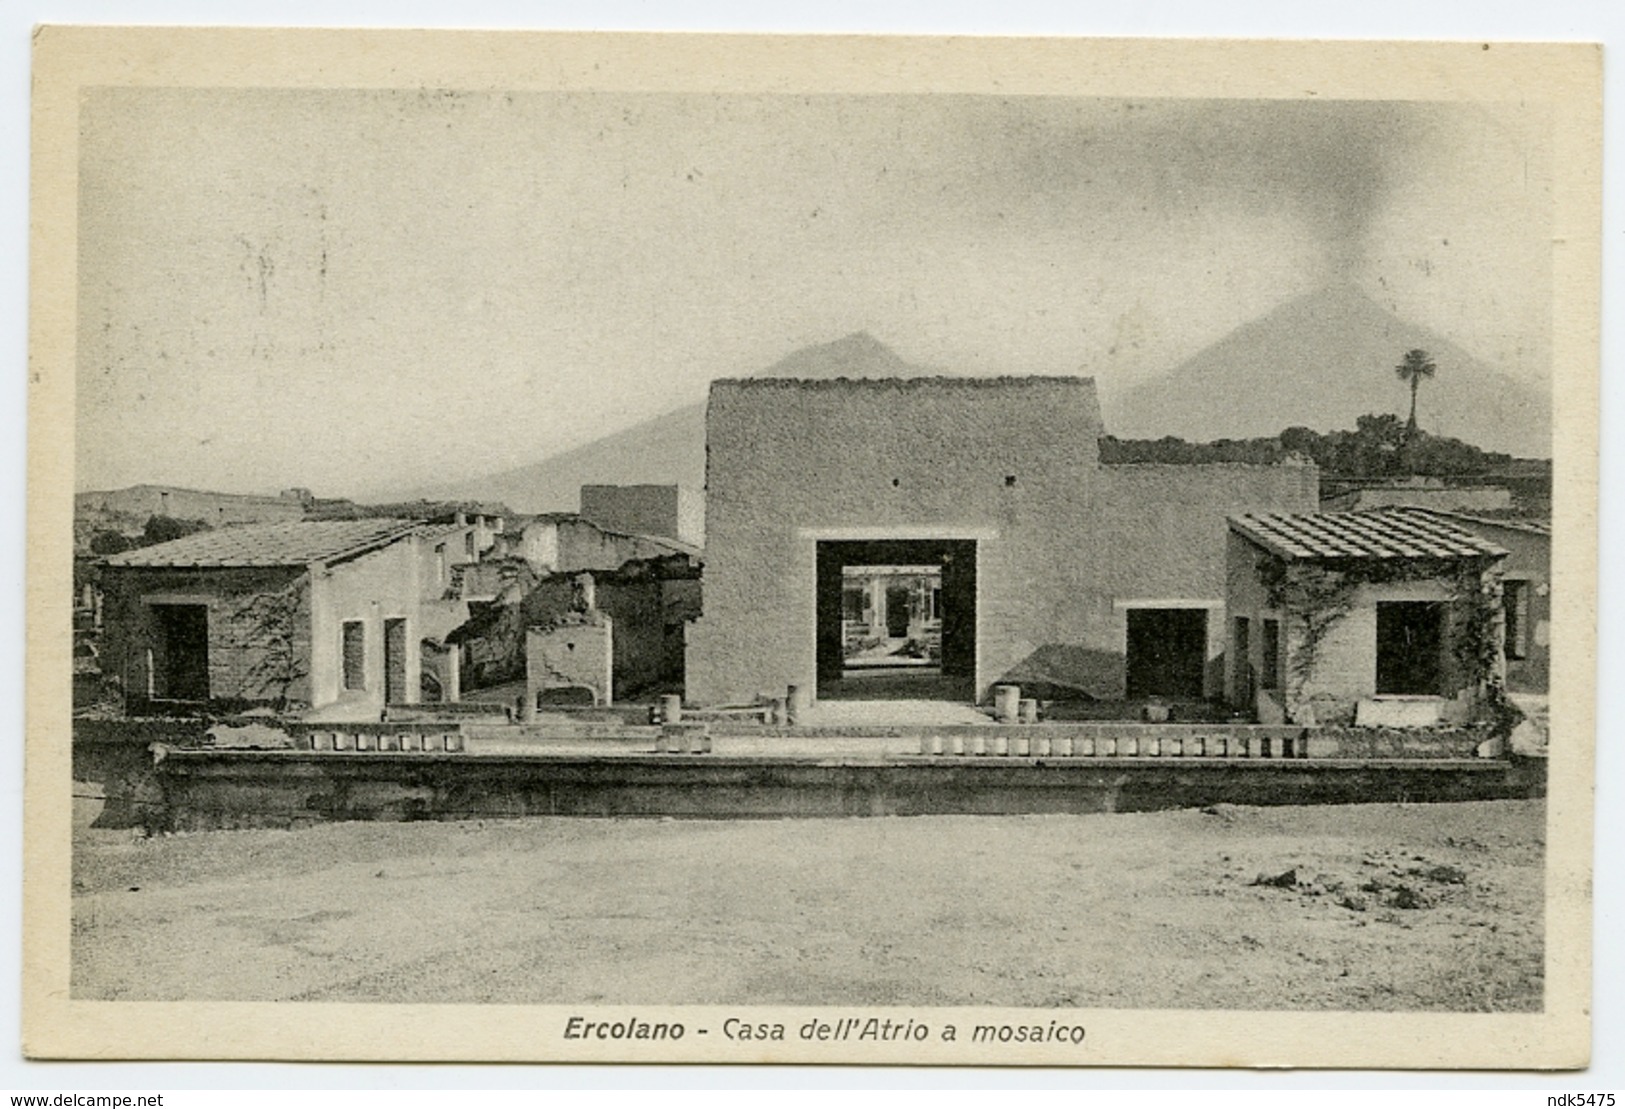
(291, 543)
(1377, 533)
(1511, 523)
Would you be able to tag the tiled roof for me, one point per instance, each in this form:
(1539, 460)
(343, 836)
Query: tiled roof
(1377, 533)
(1533, 527)
(292, 543)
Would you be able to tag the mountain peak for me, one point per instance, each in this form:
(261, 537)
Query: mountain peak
(1322, 360)
(859, 354)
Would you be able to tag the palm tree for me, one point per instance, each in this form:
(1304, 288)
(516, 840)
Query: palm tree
(1416, 366)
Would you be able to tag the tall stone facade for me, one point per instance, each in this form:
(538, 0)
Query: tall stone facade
(1005, 471)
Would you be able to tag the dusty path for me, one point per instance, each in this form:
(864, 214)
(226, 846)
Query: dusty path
(1388, 907)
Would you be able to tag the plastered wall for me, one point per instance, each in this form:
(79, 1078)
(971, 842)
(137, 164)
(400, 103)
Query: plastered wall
(1013, 463)
(373, 588)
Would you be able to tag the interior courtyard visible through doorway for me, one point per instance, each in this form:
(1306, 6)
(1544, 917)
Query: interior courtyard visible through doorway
(897, 619)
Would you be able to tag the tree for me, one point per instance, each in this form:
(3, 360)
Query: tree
(108, 542)
(1416, 366)
(163, 529)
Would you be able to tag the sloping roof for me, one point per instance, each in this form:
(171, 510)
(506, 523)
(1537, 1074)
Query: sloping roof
(291, 543)
(1533, 527)
(1378, 533)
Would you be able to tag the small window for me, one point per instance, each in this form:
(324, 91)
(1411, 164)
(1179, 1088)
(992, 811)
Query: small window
(440, 563)
(468, 544)
(355, 655)
(1515, 599)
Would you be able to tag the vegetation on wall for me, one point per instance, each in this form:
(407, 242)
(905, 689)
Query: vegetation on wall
(1318, 597)
(267, 626)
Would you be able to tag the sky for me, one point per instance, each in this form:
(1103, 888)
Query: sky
(351, 290)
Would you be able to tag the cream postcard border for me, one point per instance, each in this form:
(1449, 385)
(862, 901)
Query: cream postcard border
(71, 59)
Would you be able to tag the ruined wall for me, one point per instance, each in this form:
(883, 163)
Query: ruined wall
(638, 610)
(440, 551)
(582, 545)
(259, 628)
(691, 515)
(1529, 559)
(1477, 498)
(1011, 463)
(214, 509)
(573, 652)
(667, 510)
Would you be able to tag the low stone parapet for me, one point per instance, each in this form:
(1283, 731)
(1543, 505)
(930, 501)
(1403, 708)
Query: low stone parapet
(203, 789)
(1067, 741)
(402, 737)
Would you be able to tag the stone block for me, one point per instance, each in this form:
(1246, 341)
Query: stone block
(1322, 747)
(574, 653)
(1400, 712)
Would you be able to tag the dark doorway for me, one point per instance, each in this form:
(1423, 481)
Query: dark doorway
(180, 660)
(1410, 645)
(1167, 652)
(930, 618)
(1242, 651)
(394, 661)
(1270, 671)
(898, 599)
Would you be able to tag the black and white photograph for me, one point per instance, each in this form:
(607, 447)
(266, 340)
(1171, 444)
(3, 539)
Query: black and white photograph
(762, 549)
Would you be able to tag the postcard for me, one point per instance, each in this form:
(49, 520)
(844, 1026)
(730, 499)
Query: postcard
(811, 549)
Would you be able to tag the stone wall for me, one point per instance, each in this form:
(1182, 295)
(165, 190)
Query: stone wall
(214, 509)
(1064, 545)
(583, 545)
(666, 510)
(572, 652)
(638, 611)
(1009, 463)
(258, 628)
(203, 790)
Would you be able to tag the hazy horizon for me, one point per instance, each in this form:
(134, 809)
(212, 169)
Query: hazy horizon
(350, 289)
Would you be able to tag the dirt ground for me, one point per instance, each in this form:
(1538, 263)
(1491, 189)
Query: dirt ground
(1384, 907)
